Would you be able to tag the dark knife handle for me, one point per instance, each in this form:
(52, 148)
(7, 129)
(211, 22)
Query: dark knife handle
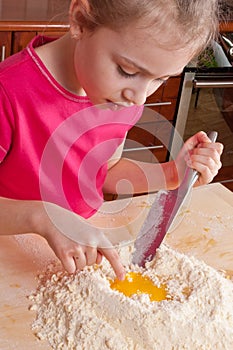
(191, 175)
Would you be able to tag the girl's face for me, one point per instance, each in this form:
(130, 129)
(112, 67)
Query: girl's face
(124, 67)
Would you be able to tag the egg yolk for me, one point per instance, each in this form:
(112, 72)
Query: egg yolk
(136, 283)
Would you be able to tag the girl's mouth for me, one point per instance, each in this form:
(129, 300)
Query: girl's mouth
(119, 105)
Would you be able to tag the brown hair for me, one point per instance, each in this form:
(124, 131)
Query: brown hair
(192, 22)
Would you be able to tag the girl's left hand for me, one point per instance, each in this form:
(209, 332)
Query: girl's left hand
(202, 155)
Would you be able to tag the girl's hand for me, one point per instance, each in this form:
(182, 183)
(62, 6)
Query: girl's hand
(202, 155)
(75, 256)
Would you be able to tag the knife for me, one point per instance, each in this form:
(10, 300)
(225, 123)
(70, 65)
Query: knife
(161, 215)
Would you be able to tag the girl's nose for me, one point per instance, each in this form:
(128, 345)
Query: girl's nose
(137, 97)
(138, 94)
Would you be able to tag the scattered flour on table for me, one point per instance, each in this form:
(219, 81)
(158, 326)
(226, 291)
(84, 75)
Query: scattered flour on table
(82, 312)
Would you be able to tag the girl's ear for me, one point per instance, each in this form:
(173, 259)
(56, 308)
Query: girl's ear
(77, 10)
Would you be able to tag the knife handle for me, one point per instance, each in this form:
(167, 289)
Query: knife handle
(191, 175)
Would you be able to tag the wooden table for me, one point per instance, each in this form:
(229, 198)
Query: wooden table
(205, 231)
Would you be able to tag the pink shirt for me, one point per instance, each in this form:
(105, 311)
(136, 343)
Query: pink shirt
(54, 145)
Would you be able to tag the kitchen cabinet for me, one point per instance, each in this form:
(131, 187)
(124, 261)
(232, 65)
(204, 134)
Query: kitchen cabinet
(5, 45)
(21, 21)
(21, 39)
(149, 139)
(13, 41)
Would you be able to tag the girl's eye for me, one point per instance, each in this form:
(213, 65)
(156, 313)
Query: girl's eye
(124, 73)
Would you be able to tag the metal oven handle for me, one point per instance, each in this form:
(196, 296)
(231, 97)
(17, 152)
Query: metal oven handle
(212, 83)
(3, 56)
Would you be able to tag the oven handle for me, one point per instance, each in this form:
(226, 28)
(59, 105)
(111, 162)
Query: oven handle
(213, 84)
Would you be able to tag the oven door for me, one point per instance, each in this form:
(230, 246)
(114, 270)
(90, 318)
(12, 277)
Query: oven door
(206, 103)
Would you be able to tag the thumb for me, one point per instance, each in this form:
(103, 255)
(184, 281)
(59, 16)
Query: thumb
(202, 137)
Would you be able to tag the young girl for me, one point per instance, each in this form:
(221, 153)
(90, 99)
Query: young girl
(116, 54)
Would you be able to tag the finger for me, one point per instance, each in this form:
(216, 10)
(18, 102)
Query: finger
(80, 260)
(196, 139)
(191, 144)
(207, 173)
(212, 147)
(202, 136)
(203, 165)
(213, 163)
(217, 146)
(91, 255)
(69, 264)
(206, 176)
(112, 256)
(99, 258)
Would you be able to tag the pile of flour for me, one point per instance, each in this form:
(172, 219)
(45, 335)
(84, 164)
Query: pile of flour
(82, 312)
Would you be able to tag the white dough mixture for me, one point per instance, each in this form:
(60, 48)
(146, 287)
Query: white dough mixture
(82, 312)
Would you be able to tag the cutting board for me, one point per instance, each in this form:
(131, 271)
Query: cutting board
(205, 230)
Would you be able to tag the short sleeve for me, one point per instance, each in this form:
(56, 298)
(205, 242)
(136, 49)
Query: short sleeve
(6, 124)
(117, 155)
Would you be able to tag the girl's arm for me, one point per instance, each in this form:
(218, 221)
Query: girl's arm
(19, 217)
(128, 176)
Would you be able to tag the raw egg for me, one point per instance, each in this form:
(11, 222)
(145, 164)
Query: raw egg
(136, 283)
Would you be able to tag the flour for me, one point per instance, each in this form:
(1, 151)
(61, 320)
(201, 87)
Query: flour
(82, 312)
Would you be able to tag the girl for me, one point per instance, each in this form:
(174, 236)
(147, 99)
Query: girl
(116, 54)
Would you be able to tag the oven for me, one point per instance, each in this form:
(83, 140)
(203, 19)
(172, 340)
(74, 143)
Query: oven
(206, 102)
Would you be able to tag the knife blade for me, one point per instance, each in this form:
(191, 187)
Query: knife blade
(162, 213)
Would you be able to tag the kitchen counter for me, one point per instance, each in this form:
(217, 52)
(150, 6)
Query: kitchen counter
(205, 231)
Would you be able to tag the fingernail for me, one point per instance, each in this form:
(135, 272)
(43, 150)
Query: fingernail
(121, 277)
